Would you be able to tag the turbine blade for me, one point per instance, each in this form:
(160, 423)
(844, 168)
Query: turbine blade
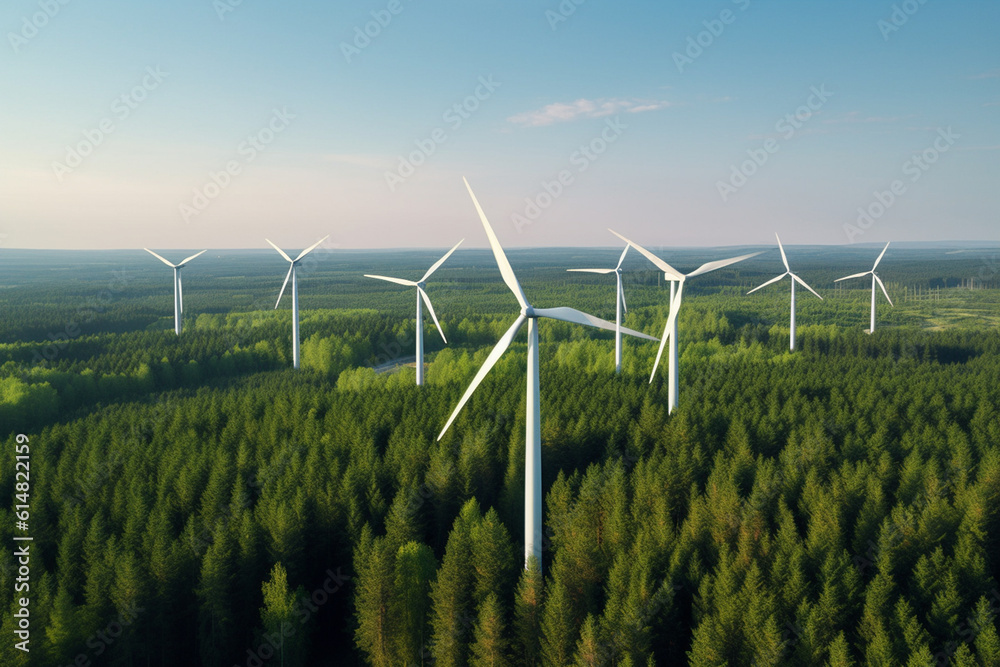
(284, 285)
(398, 281)
(622, 288)
(881, 256)
(784, 258)
(669, 271)
(505, 269)
(769, 282)
(675, 307)
(622, 258)
(180, 289)
(856, 275)
(803, 283)
(159, 258)
(880, 284)
(487, 366)
(311, 248)
(438, 263)
(600, 271)
(427, 300)
(182, 264)
(280, 251)
(719, 264)
(579, 317)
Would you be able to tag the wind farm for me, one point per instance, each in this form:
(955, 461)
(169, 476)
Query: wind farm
(700, 364)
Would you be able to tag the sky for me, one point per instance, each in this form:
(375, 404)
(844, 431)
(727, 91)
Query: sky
(216, 123)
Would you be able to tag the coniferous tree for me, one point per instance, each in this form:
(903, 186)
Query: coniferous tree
(279, 620)
(528, 605)
(415, 569)
(490, 645)
(558, 627)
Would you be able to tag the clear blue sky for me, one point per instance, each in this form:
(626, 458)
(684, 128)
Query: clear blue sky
(672, 129)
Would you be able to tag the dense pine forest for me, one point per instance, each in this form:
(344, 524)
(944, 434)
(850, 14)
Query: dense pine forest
(195, 501)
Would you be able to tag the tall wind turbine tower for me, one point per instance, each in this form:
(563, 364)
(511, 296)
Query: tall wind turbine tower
(794, 279)
(619, 304)
(295, 294)
(533, 431)
(178, 286)
(422, 295)
(677, 281)
(875, 279)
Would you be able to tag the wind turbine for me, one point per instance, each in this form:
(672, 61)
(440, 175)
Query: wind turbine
(421, 294)
(295, 293)
(875, 279)
(677, 281)
(619, 304)
(795, 279)
(178, 286)
(533, 431)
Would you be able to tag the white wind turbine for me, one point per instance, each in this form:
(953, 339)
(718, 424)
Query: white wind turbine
(677, 281)
(619, 304)
(422, 295)
(875, 279)
(795, 279)
(295, 293)
(178, 286)
(533, 431)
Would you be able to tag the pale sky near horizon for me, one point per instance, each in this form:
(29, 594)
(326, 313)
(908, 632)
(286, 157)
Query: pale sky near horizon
(116, 115)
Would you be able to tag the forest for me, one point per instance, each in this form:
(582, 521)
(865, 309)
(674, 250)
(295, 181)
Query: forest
(195, 501)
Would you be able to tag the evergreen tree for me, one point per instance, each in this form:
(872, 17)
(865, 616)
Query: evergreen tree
(528, 605)
(279, 620)
(490, 645)
(415, 569)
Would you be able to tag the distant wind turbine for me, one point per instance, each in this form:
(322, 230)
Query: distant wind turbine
(795, 279)
(619, 304)
(533, 431)
(422, 295)
(295, 294)
(178, 286)
(875, 279)
(677, 281)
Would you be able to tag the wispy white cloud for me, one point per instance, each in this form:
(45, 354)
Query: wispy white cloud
(358, 159)
(979, 148)
(856, 117)
(992, 74)
(561, 112)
